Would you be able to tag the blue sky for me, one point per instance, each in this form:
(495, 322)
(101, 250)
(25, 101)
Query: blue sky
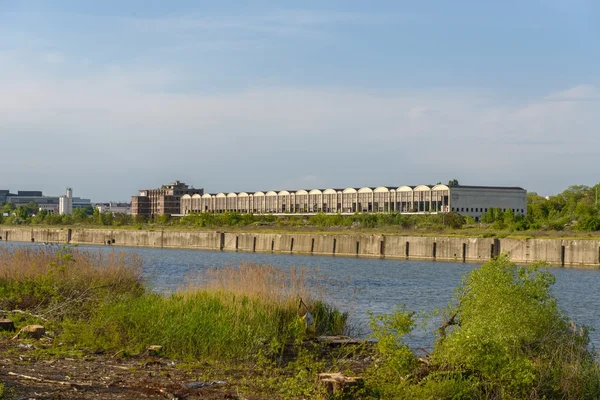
(109, 97)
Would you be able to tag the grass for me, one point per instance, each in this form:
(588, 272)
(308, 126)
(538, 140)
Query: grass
(98, 301)
(504, 335)
(67, 282)
(227, 313)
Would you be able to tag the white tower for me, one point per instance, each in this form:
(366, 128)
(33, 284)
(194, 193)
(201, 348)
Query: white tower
(65, 203)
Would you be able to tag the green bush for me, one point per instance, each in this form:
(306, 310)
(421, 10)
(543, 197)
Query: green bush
(505, 337)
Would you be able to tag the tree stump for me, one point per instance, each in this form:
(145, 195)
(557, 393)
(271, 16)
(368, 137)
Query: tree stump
(33, 331)
(7, 325)
(336, 382)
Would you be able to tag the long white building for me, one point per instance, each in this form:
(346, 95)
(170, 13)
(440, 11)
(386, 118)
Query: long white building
(465, 200)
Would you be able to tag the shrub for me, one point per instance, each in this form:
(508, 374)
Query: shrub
(503, 337)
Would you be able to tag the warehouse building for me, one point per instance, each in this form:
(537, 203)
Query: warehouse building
(465, 200)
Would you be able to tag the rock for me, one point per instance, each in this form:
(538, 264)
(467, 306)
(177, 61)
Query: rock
(200, 384)
(7, 325)
(33, 331)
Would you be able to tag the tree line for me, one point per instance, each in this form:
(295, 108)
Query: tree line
(576, 208)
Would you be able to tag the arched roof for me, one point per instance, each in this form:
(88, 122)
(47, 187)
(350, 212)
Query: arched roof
(186, 196)
(207, 196)
(243, 194)
(220, 195)
(301, 192)
(382, 189)
(232, 194)
(365, 190)
(196, 196)
(404, 189)
(349, 190)
(284, 193)
(256, 194)
(329, 191)
(422, 188)
(271, 193)
(440, 187)
(315, 191)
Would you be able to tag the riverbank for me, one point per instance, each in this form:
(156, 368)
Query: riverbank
(77, 324)
(105, 335)
(561, 252)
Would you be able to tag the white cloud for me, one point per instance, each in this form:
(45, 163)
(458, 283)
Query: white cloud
(53, 58)
(577, 93)
(122, 136)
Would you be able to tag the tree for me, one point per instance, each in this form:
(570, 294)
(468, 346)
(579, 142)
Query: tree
(22, 212)
(80, 215)
(88, 210)
(453, 182)
(8, 208)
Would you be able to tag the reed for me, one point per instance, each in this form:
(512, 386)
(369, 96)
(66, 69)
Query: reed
(98, 300)
(65, 281)
(224, 313)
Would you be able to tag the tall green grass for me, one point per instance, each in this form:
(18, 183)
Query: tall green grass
(98, 300)
(227, 313)
(67, 282)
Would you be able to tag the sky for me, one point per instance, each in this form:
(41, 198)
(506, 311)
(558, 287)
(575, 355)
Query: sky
(109, 97)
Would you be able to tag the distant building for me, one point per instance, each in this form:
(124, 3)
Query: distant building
(48, 203)
(4, 194)
(166, 200)
(29, 193)
(22, 198)
(65, 206)
(114, 207)
(422, 199)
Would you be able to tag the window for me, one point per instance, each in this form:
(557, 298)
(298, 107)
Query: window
(462, 209)
(452, 209)
(486, 210)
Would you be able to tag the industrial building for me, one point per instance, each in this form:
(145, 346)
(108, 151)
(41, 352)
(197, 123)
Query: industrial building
(48, 203)
(65, 203)
(422, 199)
(165, 200)
(114, 207)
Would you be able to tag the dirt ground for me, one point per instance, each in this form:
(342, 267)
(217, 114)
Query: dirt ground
(28, 374)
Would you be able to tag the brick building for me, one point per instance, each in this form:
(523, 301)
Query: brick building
(165, 200)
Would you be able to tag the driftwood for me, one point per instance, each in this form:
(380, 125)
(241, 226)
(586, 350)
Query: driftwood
(339, 340)
(336, 382)
(51, 381)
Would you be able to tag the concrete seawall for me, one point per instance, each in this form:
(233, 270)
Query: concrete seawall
(565, 252)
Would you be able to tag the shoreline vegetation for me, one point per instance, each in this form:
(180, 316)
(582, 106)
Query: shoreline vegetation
(240, 332)
(574, 213)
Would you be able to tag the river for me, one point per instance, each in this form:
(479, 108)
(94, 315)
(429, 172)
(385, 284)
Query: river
(359, 285)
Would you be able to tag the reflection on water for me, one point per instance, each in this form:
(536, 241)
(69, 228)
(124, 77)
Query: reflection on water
(358, 285)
